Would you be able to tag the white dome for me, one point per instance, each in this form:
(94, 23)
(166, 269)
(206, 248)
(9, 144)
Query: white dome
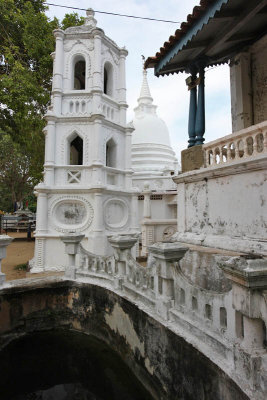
(150, 128)
(151, 149)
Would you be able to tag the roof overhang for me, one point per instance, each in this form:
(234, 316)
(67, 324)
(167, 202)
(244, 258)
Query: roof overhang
(213, 34)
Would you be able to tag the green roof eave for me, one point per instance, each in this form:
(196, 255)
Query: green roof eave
(189, 35)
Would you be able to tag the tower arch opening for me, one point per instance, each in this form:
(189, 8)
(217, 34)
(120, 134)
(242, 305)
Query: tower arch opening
(108, 79)
(79, 73)
(111, 153)
(76, 150)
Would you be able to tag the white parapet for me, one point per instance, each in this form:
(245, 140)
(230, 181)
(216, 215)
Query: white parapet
(241, 145)
(224, 204)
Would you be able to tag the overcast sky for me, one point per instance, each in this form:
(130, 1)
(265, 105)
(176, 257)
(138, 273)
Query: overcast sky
(146, 37)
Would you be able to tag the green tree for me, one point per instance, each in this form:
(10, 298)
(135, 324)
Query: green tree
(16, 181)
(26, 42)
(72, 19)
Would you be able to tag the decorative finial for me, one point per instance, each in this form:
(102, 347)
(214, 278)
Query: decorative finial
(143, 58)
(89, 19)
(145, 92)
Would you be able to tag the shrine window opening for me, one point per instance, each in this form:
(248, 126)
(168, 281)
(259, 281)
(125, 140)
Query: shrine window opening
(108, 79)
(79, 74)
(111, 153)
(76, 151)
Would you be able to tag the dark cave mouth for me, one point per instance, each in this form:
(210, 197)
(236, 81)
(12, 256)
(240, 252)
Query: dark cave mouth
(65, 365)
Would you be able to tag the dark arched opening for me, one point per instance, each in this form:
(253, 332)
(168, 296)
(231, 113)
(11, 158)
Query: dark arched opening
(108, 79)
(66, 365)
(111, 153)
(79, 75)
(76, 151)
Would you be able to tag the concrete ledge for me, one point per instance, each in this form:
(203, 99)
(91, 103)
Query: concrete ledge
(192, 158)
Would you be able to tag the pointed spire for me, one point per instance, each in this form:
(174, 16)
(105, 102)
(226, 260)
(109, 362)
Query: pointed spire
(145, 91)
(145, 95)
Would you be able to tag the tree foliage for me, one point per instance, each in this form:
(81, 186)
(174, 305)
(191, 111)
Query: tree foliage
(72, 19)
(15, 179)
(26, 42)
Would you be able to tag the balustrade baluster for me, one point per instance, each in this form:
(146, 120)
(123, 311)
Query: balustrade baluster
(228, 152)
(207, 155)
(237, 156)
(255, 150)
(246, 153)
(264, 141)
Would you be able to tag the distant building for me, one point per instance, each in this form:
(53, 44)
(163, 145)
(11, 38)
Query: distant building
(154, 163)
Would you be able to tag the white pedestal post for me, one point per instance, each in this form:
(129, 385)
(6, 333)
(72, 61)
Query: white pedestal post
(4, 242)
(72, 241)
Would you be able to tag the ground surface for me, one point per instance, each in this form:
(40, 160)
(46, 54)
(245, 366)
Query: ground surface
(19, 252)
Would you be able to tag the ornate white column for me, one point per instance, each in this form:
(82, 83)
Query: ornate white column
(147, 204)
(122, 84)
(41, 216)
(58, 71)
(98, 210)
(134, 211)
(49, 151)
(97, 82)
(128, 146)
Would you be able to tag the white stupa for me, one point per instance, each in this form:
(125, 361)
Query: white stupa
(153, 163)
(152, 154)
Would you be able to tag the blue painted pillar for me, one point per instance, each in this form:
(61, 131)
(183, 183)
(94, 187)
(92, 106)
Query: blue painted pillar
(200, 115)
(192, 114)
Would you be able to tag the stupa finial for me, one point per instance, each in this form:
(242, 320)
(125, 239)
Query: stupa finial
(89, 19)
(145, 95)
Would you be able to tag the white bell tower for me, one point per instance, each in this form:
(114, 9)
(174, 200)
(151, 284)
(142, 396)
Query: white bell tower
(87, 184)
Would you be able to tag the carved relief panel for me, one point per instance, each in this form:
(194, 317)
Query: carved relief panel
(70, 213)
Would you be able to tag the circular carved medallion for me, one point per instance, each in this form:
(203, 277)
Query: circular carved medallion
(116, 213)
(71, 213)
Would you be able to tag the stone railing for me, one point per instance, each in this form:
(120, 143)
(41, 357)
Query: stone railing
(228, 326)
(97, 266)
(240, 145)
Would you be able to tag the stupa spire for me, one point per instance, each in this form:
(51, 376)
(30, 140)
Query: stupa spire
(145, 95)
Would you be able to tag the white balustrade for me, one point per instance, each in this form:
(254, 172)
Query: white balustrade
(110, 109)
(244, 144)
(210, 317)
(221, 323)
(74, 104)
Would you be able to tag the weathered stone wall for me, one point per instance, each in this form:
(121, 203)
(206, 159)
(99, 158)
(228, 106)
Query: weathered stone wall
(224, 206)
(259, 79)
(248, 77)
(229, 205)
(167, 366)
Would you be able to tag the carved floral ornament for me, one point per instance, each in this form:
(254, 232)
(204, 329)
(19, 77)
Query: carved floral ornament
(69, 45)
(73, 213)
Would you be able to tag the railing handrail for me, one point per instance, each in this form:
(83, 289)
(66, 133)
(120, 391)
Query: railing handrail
(253, 129)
